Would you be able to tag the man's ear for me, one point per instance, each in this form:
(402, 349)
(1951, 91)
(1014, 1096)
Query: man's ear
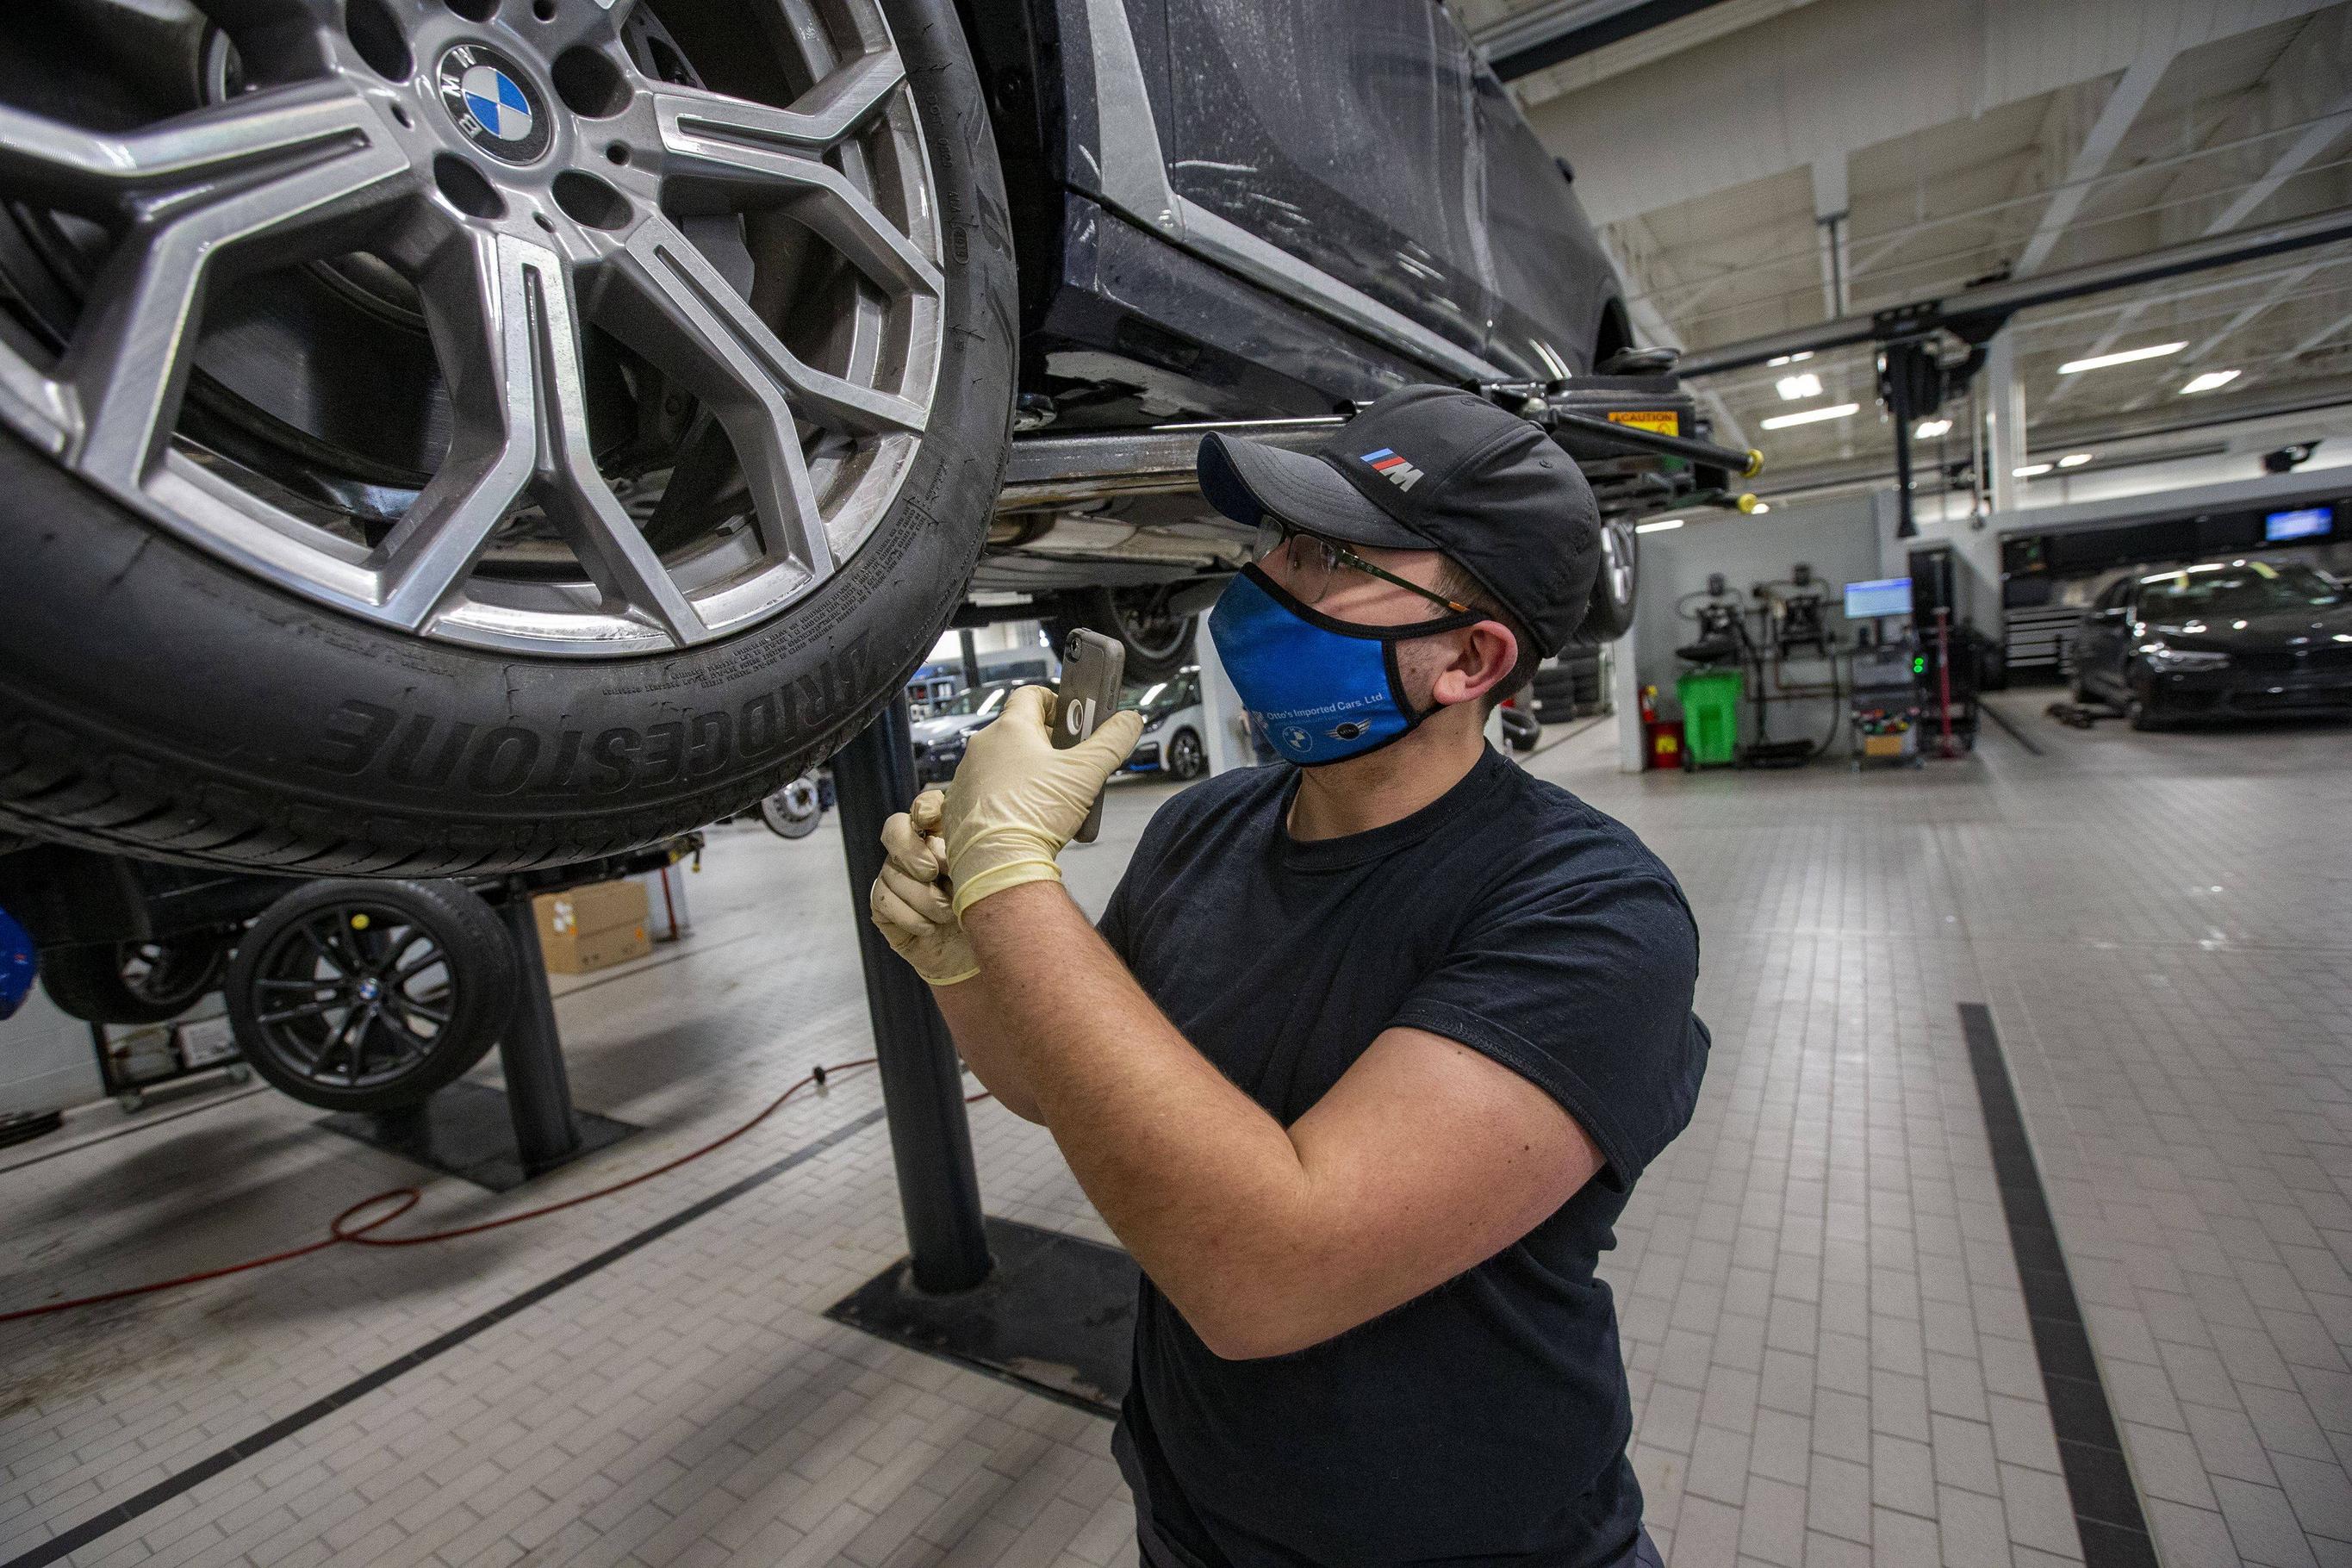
(1484, 660)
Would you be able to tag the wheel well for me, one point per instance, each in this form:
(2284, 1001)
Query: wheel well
(1615, 334)
(1016, 46)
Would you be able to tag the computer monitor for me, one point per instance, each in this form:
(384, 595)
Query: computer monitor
(1885, 597)
(2304, 522)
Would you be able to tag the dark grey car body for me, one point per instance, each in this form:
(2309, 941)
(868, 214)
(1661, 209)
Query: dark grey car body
(1230, 210)
(1241, 210)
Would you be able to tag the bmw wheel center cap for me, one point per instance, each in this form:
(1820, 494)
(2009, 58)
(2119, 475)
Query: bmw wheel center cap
(493, 104)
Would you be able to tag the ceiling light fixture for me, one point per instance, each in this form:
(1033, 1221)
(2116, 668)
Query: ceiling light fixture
(2030, 471)
(2207, 380)
(2125, 356)
(1794, 388)
(2074, 459)
(1777, 360)
(1660, 526)
(1811, 415)
(1929, 429)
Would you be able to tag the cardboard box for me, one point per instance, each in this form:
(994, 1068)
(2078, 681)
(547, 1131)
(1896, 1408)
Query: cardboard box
(594, 927)
(581, 911)
(575, 954)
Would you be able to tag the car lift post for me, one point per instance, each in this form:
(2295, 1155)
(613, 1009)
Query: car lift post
(530, 1052)
(922, 1083)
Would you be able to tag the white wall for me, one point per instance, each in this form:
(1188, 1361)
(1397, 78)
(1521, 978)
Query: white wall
(1838, 538)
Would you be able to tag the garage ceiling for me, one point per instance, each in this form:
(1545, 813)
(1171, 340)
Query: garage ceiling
(1757, 166)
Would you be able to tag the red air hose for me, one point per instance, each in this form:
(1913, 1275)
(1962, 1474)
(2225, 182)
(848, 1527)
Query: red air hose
(341, 1229)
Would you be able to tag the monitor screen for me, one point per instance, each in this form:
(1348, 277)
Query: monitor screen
(1887, 596)
(2309, 522)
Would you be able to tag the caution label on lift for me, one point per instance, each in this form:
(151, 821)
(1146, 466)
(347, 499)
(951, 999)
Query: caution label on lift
(1662, 421)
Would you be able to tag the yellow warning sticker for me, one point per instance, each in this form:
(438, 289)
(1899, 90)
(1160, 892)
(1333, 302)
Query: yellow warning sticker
(1662, 421)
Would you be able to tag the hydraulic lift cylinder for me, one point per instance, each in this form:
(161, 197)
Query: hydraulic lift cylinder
(922, 1083)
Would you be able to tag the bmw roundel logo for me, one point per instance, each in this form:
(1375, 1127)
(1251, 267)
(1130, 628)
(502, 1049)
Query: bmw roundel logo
(1296, 739)
(493, 104)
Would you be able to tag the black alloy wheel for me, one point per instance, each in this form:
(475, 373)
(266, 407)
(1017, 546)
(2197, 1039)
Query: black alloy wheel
(134, 982)
(454, 435)
(367, 995)
(1158, 642)
(1187, 759)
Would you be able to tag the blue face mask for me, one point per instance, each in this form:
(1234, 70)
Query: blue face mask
(18, 962)
(1323, 690)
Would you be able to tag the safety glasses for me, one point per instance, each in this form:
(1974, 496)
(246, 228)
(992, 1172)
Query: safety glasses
(1311, 562)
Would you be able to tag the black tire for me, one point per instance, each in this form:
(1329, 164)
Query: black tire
(158, 702)
(357, 927)
(2143, 716)
(1186, 758)
(1608, 613)
(1158, 643)
(133, 982)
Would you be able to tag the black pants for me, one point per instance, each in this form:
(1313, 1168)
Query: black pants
(1158, 1554)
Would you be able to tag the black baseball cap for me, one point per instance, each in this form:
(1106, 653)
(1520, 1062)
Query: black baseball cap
(1435, 467)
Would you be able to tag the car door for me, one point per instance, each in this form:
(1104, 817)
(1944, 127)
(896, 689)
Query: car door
(1341, 132)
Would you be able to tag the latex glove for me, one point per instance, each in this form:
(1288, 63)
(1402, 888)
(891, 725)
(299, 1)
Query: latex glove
(909, 903)
(1015, 800)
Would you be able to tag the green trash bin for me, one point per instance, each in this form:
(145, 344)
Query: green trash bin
(1710, 699)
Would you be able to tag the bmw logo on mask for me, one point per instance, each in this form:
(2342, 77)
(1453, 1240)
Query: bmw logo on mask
(487, 97)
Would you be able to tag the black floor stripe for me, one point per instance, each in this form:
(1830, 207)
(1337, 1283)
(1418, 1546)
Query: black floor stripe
(244, 1449)
(2016, 734)
(2107, 1504)
(145, 1124)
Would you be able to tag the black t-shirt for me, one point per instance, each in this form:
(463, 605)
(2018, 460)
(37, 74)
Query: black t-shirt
(1486, 1421)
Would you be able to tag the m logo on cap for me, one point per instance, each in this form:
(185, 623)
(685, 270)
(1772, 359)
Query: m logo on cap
(1392, 467)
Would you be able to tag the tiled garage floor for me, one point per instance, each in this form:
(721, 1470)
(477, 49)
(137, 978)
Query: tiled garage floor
(1821, 1309)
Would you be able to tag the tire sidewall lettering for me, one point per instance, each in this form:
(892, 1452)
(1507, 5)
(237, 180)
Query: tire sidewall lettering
(420, 750)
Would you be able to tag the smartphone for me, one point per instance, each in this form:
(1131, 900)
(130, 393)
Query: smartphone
(1092, 667)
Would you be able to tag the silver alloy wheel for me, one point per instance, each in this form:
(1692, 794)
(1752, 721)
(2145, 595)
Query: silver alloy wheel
(795, 811)
(515, 169)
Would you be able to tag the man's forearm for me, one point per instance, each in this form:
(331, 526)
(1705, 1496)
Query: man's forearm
(980, 1041)
(1201, 1184)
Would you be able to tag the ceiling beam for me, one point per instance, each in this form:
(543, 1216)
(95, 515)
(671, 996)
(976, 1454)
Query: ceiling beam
(1545, 34)
(2319, 337)
(1996, 301)
(2239, 320)
(1831, 209)
(2115, 122)
(2289, 162)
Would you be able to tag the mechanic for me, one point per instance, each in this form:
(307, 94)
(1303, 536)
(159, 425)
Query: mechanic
(1368, 1052)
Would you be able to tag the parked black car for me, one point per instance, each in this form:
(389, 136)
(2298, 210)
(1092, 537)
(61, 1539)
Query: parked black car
(2218, 640)
(939, 736)
(442, 438)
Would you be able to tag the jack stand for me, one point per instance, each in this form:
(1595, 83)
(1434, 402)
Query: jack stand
(538, 1091)
(458, 1128)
